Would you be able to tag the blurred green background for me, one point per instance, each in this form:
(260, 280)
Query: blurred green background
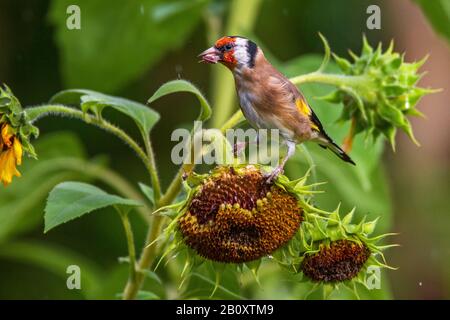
(129, 49)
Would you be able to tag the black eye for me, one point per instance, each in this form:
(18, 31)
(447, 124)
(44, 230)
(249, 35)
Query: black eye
(228, 47)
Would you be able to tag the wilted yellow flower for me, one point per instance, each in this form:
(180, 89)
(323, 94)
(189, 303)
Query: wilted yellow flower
(10, 154)
(16, 131)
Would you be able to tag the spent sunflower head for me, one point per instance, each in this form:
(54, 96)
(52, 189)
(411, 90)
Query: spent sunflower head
(231, 218)
(336, 261)
(334, 251)
(15, 134)
(235, 216)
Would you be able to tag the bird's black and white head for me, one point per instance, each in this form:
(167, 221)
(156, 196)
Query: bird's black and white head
(232, 51)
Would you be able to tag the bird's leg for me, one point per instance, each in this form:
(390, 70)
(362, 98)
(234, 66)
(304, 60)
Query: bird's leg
(240, 146)
(279, 169)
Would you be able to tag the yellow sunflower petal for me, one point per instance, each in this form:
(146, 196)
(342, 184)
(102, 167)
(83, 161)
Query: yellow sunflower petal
(8, 167)
(17, 147)
(6, 135)
(3, 167)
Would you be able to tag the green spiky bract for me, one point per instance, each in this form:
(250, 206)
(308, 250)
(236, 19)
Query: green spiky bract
(379, 90)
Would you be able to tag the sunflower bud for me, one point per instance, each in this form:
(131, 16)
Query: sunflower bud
(234, 216)
(379, 92)
(15, 133)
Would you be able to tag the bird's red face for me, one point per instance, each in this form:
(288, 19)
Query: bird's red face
(223, 51)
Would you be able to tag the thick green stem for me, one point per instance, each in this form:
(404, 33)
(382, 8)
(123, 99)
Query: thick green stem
(337, 80)
(234, 120)
(145, 261)
(175, 186)
(153, 171)
(35, 113)
(130, 242)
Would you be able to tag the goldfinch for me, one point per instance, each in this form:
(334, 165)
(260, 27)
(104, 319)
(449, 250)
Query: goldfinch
(268, 99)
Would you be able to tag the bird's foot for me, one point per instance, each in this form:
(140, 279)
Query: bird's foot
(238, 148)
(270, 178)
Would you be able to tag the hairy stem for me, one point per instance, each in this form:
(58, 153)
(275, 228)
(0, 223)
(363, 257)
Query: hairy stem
(337, 80)
(147, 257)
(233, 121)
(35, 113)
(130, 242)
(153, 171)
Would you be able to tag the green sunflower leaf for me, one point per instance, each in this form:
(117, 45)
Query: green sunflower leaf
(70, 200)
(184, 86)
(137, 36)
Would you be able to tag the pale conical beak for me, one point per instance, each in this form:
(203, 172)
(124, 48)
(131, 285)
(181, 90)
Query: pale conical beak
(211, 55)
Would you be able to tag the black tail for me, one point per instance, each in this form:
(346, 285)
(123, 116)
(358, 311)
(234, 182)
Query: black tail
(337, 150)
